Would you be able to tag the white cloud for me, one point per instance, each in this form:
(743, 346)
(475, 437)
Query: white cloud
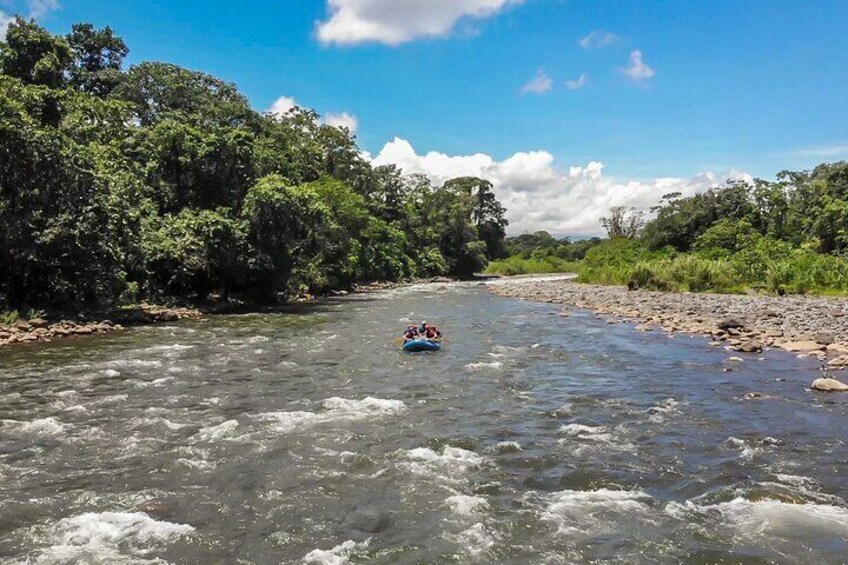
(343, 120)
(540, 196)
(638, 69)
(40, 8)
(540, 84)
(282, 106)
(598, 39)
(37, 9)
(393, 22)
(285, 104)
(577, 83)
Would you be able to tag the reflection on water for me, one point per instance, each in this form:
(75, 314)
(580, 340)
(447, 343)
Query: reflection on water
(309, 437)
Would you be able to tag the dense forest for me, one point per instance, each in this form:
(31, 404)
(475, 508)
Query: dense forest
(784, 236)
(155, 182)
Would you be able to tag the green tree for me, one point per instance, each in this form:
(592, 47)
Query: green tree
(97, 58)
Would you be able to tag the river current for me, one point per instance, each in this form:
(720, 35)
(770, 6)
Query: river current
(309, 437)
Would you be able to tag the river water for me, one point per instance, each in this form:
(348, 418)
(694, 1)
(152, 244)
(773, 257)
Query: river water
(309, 437)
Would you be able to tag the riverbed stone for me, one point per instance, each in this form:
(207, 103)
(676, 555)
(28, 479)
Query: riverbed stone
(829, 385)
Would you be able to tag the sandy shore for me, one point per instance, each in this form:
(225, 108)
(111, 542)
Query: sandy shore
(810, 326)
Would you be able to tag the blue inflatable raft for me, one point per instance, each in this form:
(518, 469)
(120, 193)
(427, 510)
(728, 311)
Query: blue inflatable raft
(417, 345)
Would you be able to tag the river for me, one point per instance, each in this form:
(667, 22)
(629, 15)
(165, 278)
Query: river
(308, 437)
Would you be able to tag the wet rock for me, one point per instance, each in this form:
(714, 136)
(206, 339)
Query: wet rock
(366, 519)
(750, 347)
(829, 385)
(167, 316)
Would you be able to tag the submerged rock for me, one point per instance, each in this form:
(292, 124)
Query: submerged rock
(829, 385)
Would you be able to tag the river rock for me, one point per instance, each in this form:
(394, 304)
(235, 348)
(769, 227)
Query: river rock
(731, 324)
(750, 347)
(825, 338)
(367, 519)
(841, 361)
(829, 385)
(38, 323)
(804, 346)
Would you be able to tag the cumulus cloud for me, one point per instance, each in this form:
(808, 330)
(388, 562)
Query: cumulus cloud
(540, 84)
(40, 8)
(539, 195)
(36, 9)
(282, 106)
(577, 83)
(638, 70)
(285, 104)
(597, 39)
(343, 120)
(393, 22)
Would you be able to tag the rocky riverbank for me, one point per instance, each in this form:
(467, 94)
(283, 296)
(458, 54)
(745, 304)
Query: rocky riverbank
(43, 330)
(809, 326)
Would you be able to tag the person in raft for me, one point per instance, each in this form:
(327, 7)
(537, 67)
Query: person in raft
(410, 333)
(428, 331)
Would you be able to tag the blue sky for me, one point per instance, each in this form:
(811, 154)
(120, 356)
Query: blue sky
(747, 86)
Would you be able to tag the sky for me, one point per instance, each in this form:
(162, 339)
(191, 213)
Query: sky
(568, 106)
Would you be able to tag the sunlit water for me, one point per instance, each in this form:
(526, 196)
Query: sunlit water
(310, 437)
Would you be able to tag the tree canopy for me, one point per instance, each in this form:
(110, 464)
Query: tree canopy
(119, 184)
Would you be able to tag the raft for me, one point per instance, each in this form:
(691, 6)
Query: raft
(416, 345)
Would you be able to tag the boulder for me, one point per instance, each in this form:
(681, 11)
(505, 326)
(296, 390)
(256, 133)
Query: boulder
(750, 347)
(731, 324)
(841, 361)
(167, 316)
(804, 346)
(825, 338)
(38, 323)
(829, 385)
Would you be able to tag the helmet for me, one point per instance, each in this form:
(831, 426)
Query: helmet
(422, 326)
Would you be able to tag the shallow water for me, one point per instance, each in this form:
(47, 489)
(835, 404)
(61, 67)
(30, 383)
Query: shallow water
(309, 437)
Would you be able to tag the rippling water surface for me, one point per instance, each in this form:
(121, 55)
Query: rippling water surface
(309, 437)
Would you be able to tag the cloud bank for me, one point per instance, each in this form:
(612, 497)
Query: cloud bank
(539, 195)
(393, 22)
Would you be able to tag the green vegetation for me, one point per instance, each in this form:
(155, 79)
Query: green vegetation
(786, 236)
(540, 252)
(157, 182)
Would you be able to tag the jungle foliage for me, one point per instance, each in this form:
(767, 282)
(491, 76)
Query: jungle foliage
(150, 182)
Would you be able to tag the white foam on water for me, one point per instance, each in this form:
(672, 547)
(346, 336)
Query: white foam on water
(751, 448)
(453, 463)
(67, 393)
(41, 427)
(597, 512)
(10, 397)
(334, 410)
(658, 414)
(339, 555)
(505, 447)
(110, 373)
(767, 520)
(494, 365)
(221, 431)
(109, 537)
(465, 505)
(475, 540)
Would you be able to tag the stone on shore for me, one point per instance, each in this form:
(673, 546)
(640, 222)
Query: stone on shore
(829, 385)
